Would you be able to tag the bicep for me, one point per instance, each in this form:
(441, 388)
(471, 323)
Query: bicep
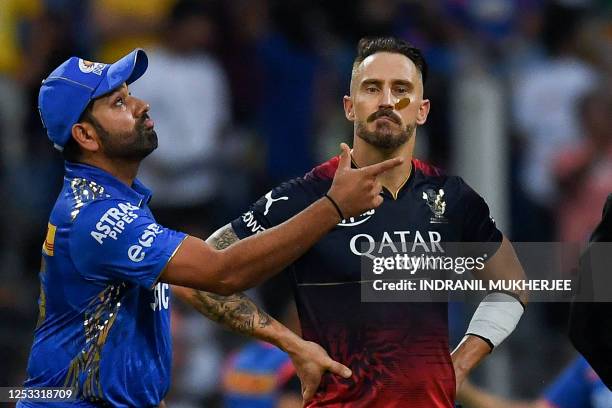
(504, 265)
(195, 264)
(200, 265)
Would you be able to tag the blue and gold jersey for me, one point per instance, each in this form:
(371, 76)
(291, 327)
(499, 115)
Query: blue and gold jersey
(578, 386)
(398, 352)
(104, 322)
(256, 375)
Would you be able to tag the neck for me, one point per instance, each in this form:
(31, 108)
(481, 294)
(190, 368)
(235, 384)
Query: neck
(364, 154)
(122, 170)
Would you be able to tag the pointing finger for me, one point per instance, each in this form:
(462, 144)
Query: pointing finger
(376, 169)
(345, 157)
(340, 369)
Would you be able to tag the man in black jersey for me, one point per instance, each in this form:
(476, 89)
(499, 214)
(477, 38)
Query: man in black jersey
(398, 352)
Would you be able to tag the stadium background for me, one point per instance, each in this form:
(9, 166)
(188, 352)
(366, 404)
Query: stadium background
(247, 93)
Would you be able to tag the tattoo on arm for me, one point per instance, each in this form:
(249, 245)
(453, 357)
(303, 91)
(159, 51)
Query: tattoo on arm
(237, 312)
(223, 237)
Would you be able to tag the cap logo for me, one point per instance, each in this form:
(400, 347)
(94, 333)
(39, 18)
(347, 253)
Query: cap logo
(89, 67)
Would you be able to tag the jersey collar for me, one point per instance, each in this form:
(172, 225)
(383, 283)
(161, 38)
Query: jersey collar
(138, 194)
(385, 191)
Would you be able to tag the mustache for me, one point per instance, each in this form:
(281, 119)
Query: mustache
(142, 118)
(140, 123)
(385, 112)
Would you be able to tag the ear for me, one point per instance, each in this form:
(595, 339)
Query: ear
(85, 135)
(348, 108)
(423, 112)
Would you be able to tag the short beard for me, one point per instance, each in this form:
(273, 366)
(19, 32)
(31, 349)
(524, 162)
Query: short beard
(383, 137)
(128, 146)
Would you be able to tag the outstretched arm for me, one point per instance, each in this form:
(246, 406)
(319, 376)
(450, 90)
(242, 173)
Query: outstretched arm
(251, 261)
(495, 318)
(240, 314)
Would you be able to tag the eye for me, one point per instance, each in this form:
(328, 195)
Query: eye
(120, 101)
(371, 89)
(401, 89)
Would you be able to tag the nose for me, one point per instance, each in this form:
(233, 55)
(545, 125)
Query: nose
(387, 99)
(141, 107)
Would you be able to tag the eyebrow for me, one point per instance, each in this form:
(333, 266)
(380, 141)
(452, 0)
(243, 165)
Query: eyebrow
(378, 82)
(118, 90)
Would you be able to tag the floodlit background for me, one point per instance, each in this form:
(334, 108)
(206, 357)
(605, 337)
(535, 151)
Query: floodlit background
(247, 93)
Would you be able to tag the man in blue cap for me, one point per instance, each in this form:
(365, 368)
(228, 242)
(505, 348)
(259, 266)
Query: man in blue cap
(104, 323)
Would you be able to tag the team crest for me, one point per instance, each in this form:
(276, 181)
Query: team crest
(437, 205)
(91, 67)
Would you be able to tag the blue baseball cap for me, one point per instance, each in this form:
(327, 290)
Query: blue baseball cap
(67, 91)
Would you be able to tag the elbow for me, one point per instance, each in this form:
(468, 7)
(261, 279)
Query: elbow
(225, 289)
(228, 282)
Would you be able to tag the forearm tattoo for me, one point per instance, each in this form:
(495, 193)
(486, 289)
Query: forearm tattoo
(236, 312)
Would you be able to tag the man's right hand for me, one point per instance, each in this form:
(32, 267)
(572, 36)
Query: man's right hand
(356, 191)
(311, 361)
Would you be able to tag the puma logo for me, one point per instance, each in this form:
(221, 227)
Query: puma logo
(270, 200)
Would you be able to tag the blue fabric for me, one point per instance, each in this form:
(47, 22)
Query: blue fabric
(579, 387)
(104, 325)
(260, 365)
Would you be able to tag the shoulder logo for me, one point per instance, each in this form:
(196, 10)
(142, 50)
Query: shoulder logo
(437, 205)
(354, 221)
(270, 201)
(87, 67)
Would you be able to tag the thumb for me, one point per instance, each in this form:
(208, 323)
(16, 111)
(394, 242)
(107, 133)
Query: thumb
(307, 394)
(340, 369)
(345, 157)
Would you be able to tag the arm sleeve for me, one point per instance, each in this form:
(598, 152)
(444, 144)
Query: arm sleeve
(571, 388)
(478, 225)
(115, 240)
(274, 208)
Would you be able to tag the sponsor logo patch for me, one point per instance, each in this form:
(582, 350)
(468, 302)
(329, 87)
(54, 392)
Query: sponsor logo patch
(113, 222)
(137, 252)
(251, 222)
(88, 67)
(270, 201)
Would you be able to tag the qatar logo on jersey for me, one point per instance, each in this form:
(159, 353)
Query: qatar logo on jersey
(270, 201)
(354, 221)
(396, 242)
(437, 205)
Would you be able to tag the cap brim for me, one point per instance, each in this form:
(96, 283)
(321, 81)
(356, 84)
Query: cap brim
(126, 70)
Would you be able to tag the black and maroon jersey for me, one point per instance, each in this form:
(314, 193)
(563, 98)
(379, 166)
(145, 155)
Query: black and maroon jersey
(398, 352)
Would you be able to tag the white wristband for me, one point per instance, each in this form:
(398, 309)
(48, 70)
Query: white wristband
(496, 317)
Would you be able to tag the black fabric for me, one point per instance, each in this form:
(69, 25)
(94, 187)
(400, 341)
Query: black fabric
(591, 322)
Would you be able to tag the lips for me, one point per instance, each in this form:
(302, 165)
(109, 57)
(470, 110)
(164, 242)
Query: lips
(387, 119)
(385, 114)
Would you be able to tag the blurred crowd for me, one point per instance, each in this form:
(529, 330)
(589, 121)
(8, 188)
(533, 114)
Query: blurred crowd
(247, 93)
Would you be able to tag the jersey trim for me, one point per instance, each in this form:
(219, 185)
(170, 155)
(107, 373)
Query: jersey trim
(156, 281)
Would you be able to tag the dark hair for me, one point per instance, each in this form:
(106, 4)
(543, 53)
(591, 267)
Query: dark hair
(72, 150)
(371, 45)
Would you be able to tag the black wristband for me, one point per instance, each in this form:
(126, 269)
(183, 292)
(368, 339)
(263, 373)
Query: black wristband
(336, 206)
